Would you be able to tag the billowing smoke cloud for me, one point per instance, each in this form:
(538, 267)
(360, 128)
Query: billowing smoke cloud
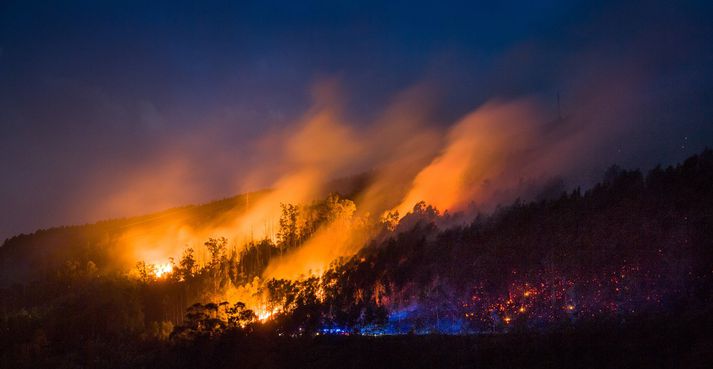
(296, 164)
(508, 142)
(501, 150)
(84, 137)
(480, 151)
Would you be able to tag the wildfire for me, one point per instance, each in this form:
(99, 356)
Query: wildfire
(264, 314)
(163, 269)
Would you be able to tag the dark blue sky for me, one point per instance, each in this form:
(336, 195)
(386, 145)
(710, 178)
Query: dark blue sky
(92, 89)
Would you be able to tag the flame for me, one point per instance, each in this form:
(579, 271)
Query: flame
(338, 238)
(264, 314)
(411, 170)
(163, 269)
(481, 159)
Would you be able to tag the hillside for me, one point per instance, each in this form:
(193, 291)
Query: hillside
(46, 249)
(633, 252)
(26, 256)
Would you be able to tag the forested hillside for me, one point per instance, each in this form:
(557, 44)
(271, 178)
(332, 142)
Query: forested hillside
(636, 246)
(24, 256)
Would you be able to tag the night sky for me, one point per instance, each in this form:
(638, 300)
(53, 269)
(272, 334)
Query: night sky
(93, 93)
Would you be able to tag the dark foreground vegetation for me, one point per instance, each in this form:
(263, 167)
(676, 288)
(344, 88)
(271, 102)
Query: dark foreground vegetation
(670, 341)
(620, 275)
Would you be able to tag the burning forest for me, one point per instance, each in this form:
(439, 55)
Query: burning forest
(527, 266)
(570, 259)
(358, 185)
(467, 236)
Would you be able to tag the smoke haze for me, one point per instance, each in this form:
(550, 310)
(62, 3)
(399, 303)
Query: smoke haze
(156, 117)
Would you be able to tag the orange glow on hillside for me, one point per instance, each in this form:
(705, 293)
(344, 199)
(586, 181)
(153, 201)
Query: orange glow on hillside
(477, 163)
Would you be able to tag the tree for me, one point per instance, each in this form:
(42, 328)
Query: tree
(147, 272)
(187, 265)
(288, 234)
(216, 247)
(281, 293)
(390, 220)
(201, 320)
(239, 316)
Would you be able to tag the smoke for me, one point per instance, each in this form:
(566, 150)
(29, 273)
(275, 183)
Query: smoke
(183, 125)
(500, 150)
(295, 164)
(342, 236)
(480, 152)
(504, 145)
